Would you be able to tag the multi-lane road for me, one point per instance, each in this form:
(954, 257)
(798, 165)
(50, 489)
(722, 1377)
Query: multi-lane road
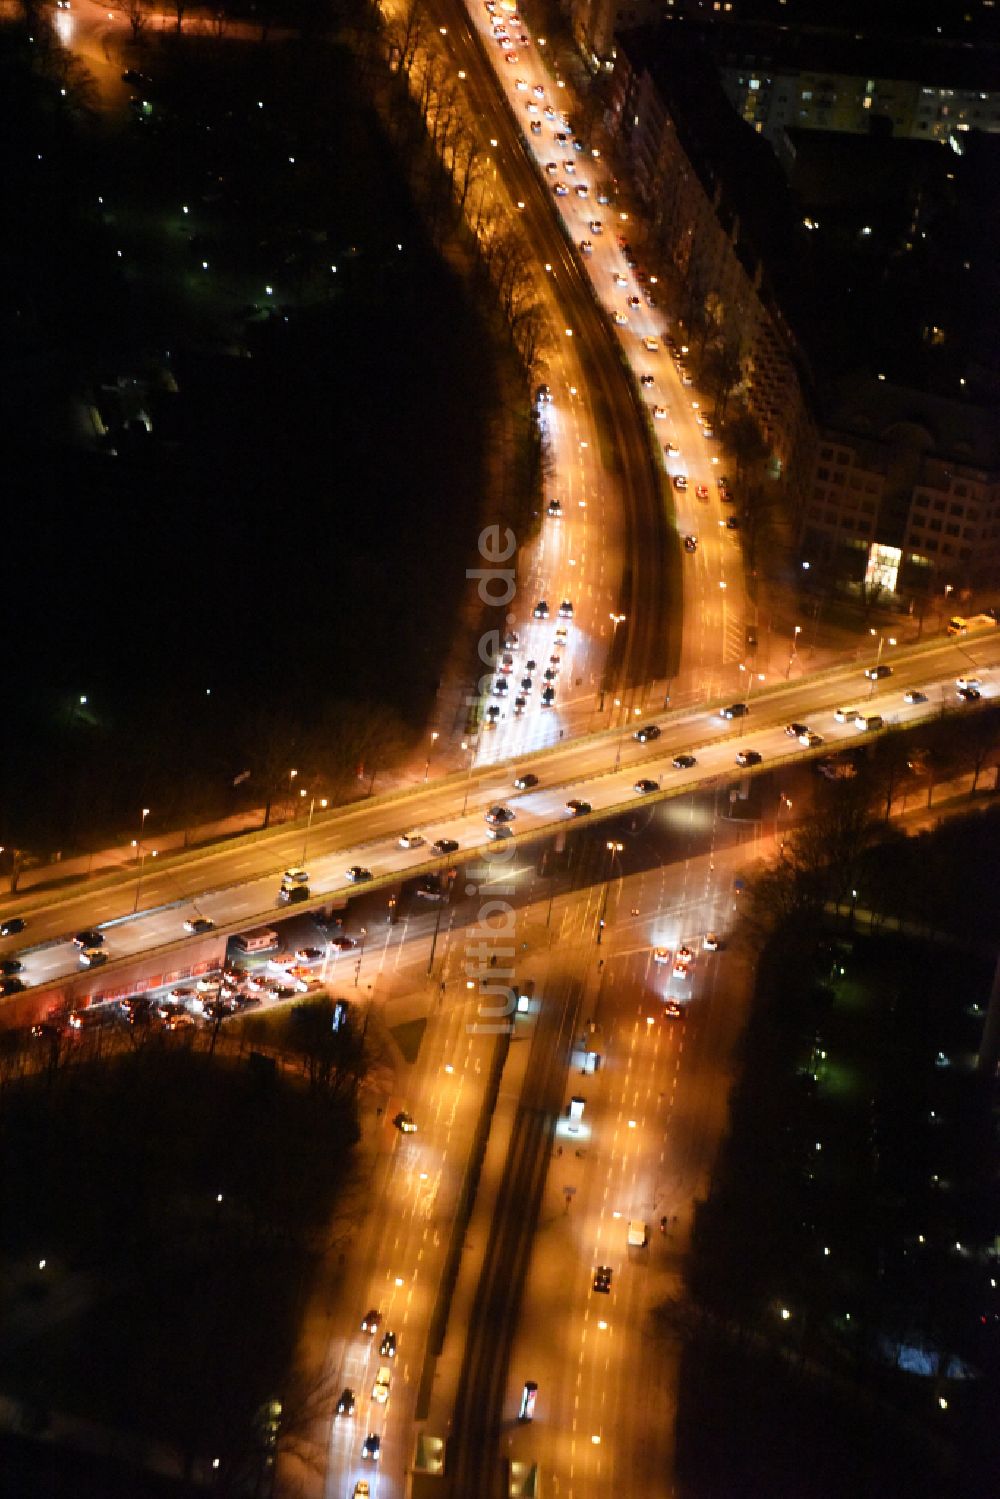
(652, 1116)
(238, 885)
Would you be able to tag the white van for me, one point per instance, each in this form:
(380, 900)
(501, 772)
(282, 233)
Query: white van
(868, 722)
(637, 1236)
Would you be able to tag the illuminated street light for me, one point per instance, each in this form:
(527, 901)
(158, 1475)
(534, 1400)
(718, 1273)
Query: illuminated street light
(435, 736)
(137, 844)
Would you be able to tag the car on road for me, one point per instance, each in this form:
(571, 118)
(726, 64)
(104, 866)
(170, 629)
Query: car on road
(684, 762)
(93, 957)
(292, 895)
(380, 1389)
(963, 682)
(876, 673)
(372, 1447)
(620, 319)
(647, 732)
(680, 482)
(89, 937)
(498, 814)
(387, 1347)
(672, 448)
(541, 609)
(520, 703)
(525, 782)
(404, 1123)
(735, 710)
(566, 609)
(602, 1280)
(845, 715)
(796, 730)
(196, 925)
(11, 926)
(361, 1489)
(661, 954)
(912, 695)
(528, 1397)
(596, 226)
(650, 345)
(684, 957)
(549, 674)
(690, 543)
(9, 966)
(560, 189)
(357, 874)
(645, 785)
(646, 380)
(711, 942)
(310, 954)
(701, 490)
(809, 740)
(371, 1322)
(501, 687)
(586, 248)
(411, 840)
(548, 697)
(747, 757)
(446, 846)
(969, 694)
(535, 127)
(342, 943)
(295, 877)
(577, 808)
(345, 1405)
(671, 1007)
(732, 523)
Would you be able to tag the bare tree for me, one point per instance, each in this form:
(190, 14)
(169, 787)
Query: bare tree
(136, 15)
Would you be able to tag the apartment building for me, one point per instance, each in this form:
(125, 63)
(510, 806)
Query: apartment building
(721, 217)
(903, 491)
(778, 78)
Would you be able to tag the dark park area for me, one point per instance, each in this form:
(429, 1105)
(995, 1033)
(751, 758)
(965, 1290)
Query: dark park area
(840, 1326)
(245, 463)
(173, 1201)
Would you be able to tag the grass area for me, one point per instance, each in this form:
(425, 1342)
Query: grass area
(825, 1267)
(180, 1200)
(301, 509)
(408, 1038)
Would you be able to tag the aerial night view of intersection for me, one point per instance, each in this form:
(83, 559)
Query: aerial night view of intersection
(500, 806)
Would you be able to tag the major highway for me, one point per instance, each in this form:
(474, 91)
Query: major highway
(237, 885)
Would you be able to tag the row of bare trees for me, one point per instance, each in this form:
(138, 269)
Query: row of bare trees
(426, 111)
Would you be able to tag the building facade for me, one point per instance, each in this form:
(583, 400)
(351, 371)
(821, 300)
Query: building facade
(698, 207)
(904, 491)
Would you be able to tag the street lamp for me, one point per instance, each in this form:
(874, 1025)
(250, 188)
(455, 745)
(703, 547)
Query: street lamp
(309, 823)
(791, 654)
(139, 849)
(427, 764)
(783, 801)
(878, 657)
(471, 746)
(616, 620)
(613, 847)
(752, 676)
(138, 884)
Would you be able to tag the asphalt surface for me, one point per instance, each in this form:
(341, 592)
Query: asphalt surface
(237, 885)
